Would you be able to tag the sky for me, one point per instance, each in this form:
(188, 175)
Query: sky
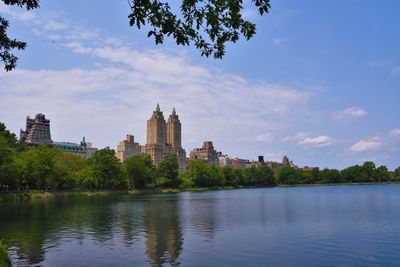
(319, 82)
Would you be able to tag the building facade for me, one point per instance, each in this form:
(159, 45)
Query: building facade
(37, 131)
(128, 148)
(82, 149)
(206, 153)
(164, 138)
(240, 163)
(224, 161)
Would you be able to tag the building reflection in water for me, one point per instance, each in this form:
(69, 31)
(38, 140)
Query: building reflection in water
(129, 221)
(201, 214)
(164, 238)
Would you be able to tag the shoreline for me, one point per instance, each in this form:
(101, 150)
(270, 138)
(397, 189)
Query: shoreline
(37, 195)
(335, 184)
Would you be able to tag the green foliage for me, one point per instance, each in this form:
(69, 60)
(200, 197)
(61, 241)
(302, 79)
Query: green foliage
(4, 257)
(9, 137)
(7, 157)
(353, 174)
(309, 177)
(38, 168)
(396, 175)
(331, 176)
(7, 44)
(185, 180)
(48, 168)
(288, 175)
(106, 169)
(209, 25)
(139, 171)
(204, 175)
(381, 174)
(232, 176)
(366, 173)
(257, 176)
(167, 172)
(368, 170)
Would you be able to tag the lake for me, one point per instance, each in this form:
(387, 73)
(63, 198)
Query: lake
(297, 226)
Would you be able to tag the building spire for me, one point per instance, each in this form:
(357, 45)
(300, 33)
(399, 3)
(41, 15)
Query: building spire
(173, 111)
(158, 107)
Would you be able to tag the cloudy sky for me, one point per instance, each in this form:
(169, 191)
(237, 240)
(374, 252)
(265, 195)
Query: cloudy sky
(320, 82)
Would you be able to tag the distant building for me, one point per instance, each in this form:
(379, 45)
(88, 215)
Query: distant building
(273, 164)
(37, 131)
(83, 149)
(206, 153)
(224, 160)
(285, 161)
(240, 163)
(164, 138)
(128, 148)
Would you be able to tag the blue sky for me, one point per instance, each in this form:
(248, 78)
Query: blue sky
(320, 81)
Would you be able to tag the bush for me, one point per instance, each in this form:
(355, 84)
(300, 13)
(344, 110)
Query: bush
(4, 256)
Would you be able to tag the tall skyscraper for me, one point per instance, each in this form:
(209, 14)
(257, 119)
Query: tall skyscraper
(164, 138)
(174, 131)
(156, 133)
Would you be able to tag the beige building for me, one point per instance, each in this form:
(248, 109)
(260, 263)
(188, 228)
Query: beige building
(225, 161)
(206, 153)
(240, 163)
(163, 138)
(128, 148)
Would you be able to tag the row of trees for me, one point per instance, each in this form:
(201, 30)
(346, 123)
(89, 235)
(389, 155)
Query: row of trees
(43, 167)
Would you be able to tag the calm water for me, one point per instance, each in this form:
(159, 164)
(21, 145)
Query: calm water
(308, 226)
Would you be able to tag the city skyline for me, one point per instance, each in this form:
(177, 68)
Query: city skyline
(326, 98)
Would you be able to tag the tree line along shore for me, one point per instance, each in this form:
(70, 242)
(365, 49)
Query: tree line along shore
(24, 168)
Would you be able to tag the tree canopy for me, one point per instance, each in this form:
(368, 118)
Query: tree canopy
(207, 24)
(7, 45)
(49, 168)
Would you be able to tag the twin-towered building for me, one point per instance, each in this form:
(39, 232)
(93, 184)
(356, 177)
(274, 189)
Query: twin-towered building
(163, 138)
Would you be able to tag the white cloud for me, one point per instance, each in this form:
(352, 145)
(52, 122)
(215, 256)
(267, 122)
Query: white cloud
(264, 138)
(395, 71)
(52, 25)
(118, 96)
(395, 132)
(250, 13)
(297, 137)
(318, 141)
(78, 47)
(349, 113)
(367, 145)
(278, 41)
